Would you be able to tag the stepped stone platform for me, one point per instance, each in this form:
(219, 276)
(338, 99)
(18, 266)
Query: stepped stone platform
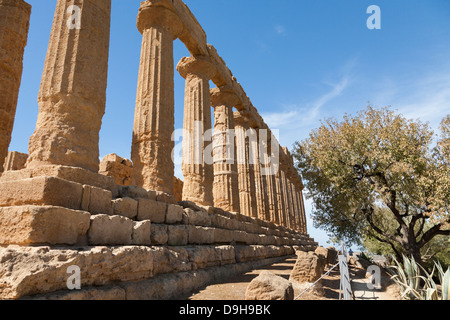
(128, 242)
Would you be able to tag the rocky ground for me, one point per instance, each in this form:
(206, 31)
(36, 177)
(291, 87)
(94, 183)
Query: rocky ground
(234, 288)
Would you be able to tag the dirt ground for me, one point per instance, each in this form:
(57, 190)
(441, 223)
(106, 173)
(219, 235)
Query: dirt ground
(234, 288)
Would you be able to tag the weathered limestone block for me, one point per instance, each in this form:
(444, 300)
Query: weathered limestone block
(78, 175)
(245, 253)
(136, 193)
(119, 168)
(161, 287)
(332, 255)
(268, 286)
(159, 234)
(308, 267)
(14, 25)
(15, 161)
(223, 235)
(154, 120)
(154, 211)
(198, 218)
(72, 95)
(197, 168)
(165, 197)
(170, 260)
(126, 207)
(203, 257)
(178, 235)
(26, 271)
(41, 191)
(141, 233)
(174, 214)
(222, 222)
(322, 251)
(110, 230)
(96, 200)
(29, 225)
(200, 235)
(227, 254)
(104, 293)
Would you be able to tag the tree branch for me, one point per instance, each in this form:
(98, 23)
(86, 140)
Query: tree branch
(430, 234)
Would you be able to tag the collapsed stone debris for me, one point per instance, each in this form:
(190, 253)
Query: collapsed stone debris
(132, 228)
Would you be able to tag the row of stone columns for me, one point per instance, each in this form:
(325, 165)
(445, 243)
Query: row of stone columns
(72, 101)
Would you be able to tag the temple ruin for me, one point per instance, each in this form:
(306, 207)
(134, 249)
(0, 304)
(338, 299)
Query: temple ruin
(132, 228)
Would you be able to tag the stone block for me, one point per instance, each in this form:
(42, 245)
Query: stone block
(203, 257)
(227, 254)
(268, 286)
(178, 235)
(141, 233)
(15, 161)
(119, 168)
(223, 235)
(152, 210)
(110, 230)
(169, 260)
(30, 225)
(174, 214)
(200, 235)
(28, 271)
(159, 235)
(41, 191)
(135, 192)
(245, 253)
(308, 267)
(164, 197)
(73, 174)
(219, 221)
(96, 200)
(126, 207)
(197, 218)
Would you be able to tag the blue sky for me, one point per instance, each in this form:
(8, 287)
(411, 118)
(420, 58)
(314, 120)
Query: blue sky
(299, 61)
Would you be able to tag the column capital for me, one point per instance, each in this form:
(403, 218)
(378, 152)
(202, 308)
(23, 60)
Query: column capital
(154, 15)
(241, 120)
(198, 65)
(223, 96)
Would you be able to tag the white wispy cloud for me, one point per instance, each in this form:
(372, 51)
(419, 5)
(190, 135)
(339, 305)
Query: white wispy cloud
(426, 98)
(295, 121)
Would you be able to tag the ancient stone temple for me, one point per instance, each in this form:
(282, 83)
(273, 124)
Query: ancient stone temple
(130, 229)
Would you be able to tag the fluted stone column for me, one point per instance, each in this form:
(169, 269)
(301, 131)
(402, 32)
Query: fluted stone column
(301, 217)
(226, 183)
(287, 203)
(291, 203)
(72, 95)
(280, 199)
(261, 184)
(246, 169)
(154, 120)
(270, 170)
(304, 228)
(14, 25)
(295, 213)
(197, 168)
